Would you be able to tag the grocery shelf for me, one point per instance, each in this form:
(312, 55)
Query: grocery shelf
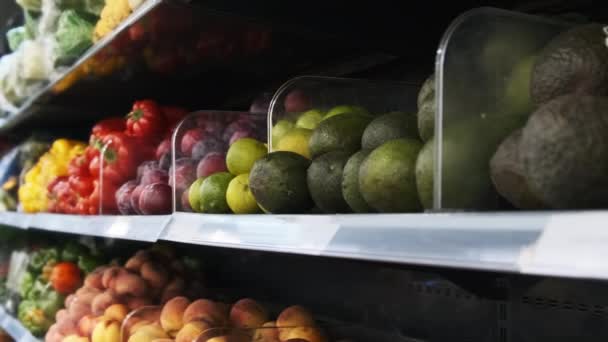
(14, 328)
(40, 98)
(568, 244)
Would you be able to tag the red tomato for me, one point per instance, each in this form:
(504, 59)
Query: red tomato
(65, 277)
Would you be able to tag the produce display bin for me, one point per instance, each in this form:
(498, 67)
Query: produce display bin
(483, 73)
(200, 144)
(333, 121)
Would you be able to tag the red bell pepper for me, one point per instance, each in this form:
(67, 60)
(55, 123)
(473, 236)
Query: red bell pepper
(103, 197)
(81, 185)
(146, 120)
(121, 156)
(104, 127)
(174, 114)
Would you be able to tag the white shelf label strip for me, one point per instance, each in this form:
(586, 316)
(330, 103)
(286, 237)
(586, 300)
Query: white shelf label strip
(570, 244)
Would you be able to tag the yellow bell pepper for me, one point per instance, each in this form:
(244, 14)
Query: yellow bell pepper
(54, 163)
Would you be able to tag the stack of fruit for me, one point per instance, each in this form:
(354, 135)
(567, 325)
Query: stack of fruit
(204, 320)
(557, 160)
(202, 144)
(96, 311)
(117, 146)
(52, 273)
(360, 162)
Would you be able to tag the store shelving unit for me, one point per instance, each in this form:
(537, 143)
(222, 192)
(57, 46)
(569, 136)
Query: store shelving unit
(473, 276)
(524, 243)
(14, 328)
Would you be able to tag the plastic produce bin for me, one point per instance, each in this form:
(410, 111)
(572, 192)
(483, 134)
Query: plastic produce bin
(200, 144)
(329, 120)
(483, 75)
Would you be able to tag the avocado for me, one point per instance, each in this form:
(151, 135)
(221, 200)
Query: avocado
(516, 99)
(278, 183)
(324, 179)
(466, 150)
(507, 174)
(350, 183)
(341, 132)
(387, 177)
(387, 127)
(424, 174)
(574, 62)
(426, 109)
(564, 147)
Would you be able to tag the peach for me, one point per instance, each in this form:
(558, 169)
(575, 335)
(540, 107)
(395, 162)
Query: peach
(135, 262)
(148, 333)
(310, 334)
(154, 274)
(134, 303)
(109, 276)
(75, 338)
(191, 331)
(295, 316)
(102, 301)
(247, 313)
(116, 312)
(106, 331)
(205, 310)
(163, 340)
(86, 325)
(53, 335)
(177, 284)
(94, 280)
(68, 300)
(77, 310)
(223, 338)
(130, 284)
(61, 315)
(172, 314)
(267, 333)
(67, 327)
(134, 324)
(86, 294)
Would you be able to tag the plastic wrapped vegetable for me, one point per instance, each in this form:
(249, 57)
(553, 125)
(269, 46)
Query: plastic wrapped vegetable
(34, 318)
(72, 251)
(30, 24)
(73, 36)
(15, 37)
(54, 163)
(87, 262)
(38, 313)
(41, 257)
(38, 59)
(113, 13)
(30, 5)
(26, 284)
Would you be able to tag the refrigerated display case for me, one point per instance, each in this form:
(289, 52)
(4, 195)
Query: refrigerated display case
(174, 213)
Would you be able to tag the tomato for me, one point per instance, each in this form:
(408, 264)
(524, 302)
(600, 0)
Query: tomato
(65, 277)
(146, 120)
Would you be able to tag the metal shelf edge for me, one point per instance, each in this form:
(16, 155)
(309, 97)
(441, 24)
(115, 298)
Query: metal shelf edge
(15, 329)
(541, 243)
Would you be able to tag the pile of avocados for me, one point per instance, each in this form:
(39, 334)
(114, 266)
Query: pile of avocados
(354, 162)
(559, 158)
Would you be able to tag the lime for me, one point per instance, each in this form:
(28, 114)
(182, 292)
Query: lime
(243, 153)
(194, 195)
(296, 141)
(280, 129)
(345, 109)
(213, 193)
(309, 119)
(239, 196)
